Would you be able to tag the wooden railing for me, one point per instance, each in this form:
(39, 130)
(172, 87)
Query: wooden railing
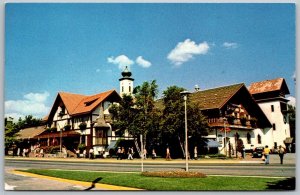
(220, 122)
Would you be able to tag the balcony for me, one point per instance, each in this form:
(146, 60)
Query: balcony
(234, 123)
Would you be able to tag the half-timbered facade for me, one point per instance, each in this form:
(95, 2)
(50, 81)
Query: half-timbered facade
(234, 109)
(78, 119)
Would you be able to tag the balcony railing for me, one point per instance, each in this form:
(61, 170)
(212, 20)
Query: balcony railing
(235, 122)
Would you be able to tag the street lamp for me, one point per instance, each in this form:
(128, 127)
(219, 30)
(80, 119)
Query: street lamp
(185, 94)
(224, 119)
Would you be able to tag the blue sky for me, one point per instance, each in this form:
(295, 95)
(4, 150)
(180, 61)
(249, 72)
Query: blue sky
(81, 48)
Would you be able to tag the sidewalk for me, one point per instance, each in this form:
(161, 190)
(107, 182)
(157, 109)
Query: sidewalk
(233, 160)
(87, 185)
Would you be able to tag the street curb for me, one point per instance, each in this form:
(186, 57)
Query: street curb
(81, 183)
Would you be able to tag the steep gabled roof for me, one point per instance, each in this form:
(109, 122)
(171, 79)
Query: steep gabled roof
(215, 98)
(80, 104)
(269, 86)
(71, 100)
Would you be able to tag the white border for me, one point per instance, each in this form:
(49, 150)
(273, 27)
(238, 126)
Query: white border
(2, 30)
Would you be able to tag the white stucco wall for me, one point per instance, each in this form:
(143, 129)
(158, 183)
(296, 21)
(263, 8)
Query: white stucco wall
(126, 84)
(282, 130)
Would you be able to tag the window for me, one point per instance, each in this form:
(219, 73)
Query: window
(258, 139)
(129, 88)
(272, 108)
(101, 137)
(122, 89)
(274, 126)
(275, 144)
(63, 110)
(248, 138)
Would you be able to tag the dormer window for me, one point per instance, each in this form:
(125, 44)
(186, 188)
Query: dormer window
(63, 110)
(88, 103)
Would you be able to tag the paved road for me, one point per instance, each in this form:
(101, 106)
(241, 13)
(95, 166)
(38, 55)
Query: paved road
(246, 167)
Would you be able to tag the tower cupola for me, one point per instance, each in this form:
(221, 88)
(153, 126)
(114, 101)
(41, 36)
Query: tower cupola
(126, 82)
(126, 72)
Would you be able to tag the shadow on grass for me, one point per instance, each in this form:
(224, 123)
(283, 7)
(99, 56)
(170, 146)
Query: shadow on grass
(287, 184)
(93, 183)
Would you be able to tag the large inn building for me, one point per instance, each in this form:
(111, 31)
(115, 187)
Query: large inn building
(256, 115)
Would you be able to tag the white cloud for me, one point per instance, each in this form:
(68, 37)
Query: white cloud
(37, 97)
(142, 62)
(184, 51)
(121, 61)
(292, 100)
(32, 104)
(230, 45)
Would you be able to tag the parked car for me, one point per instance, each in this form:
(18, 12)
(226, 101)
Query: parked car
(257, 152)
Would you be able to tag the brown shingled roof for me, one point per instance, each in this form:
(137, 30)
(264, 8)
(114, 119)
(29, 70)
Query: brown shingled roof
(268, 86)
(30, 132)
(215, 98)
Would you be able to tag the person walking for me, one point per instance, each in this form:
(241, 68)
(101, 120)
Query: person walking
(168, 155)
(41, 152)
(77, 153)
(267, 155)
(145, 154)
(123, 154)
(130, 152)
(281, 152)
(91, 152)
(243, 152)
(195, 153)
(153, 154)
(84, 153)
(119, 154)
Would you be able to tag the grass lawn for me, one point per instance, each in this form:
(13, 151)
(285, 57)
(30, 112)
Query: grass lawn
(136, 180)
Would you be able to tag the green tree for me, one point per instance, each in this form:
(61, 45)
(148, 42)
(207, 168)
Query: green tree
(173, 124)
(146, 115)
(28, 121)
(11, 132)
(123, 114)
(12, 129)
(137, 115)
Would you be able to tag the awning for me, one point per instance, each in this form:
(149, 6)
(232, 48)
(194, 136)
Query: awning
(288, 140)
(112, 144)
(30, 133)
(213, 144)
(57, 134)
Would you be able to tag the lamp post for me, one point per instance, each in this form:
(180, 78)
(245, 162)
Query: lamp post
(224, 119)
(185, 94)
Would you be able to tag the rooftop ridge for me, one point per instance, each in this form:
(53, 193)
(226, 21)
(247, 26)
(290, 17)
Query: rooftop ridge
(236, 84)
